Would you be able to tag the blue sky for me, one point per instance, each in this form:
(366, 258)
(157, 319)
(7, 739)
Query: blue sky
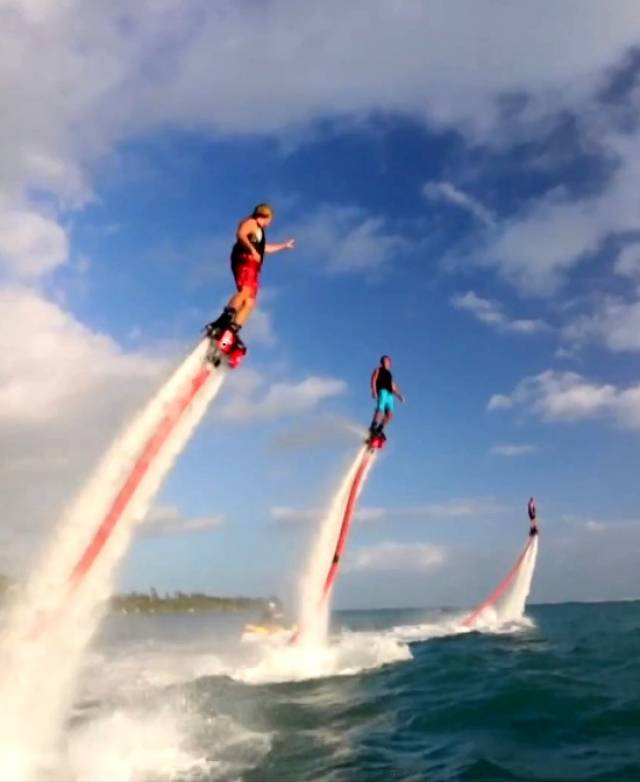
(468, 208)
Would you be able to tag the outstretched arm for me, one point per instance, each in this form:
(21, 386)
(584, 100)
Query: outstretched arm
(374, 380)
(276, 248)
(398, 393)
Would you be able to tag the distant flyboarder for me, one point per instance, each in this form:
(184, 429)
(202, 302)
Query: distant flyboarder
(533, 524)
(247, 257)
(384, 391)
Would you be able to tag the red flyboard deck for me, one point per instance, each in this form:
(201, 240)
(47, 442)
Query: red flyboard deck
(138, 472)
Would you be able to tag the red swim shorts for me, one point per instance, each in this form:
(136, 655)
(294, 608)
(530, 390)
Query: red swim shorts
(246, 273)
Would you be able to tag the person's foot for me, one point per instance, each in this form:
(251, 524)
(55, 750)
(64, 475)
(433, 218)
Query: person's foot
(216, 327)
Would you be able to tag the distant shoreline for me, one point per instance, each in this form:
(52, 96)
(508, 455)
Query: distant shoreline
(183, 603)
(177, 603)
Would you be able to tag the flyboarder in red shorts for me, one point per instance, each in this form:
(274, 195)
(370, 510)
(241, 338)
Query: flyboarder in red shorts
(247, 257)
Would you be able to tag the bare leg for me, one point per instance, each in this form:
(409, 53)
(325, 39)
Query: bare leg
(237, 300)
(246, 309)
(243, 303)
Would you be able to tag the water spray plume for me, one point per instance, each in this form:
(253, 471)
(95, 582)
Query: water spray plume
(67, 596)
(322, 566)
(507, 602)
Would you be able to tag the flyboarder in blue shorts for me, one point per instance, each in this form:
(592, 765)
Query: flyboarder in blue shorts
(384, 391)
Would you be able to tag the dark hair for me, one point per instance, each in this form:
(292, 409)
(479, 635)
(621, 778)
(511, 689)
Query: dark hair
(382, 358)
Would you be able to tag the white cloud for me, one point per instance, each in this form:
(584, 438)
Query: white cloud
(567, 396)
(491, 313)
(324, 429)
(615, 323)
(511, 449)
(52, 365)
(255, 398)
(170, 520)
(628, 261)
(536, 249)
(390, 557)
(79, 78)
(30, 245)
(445, 191)
(457, 508)
(64, 390)
(285, 515)
(347, 239)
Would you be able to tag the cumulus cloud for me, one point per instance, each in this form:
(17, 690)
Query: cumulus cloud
(105, 81)
(445, 191)
(254, 398)
(347, 239)
(64, 390)
(324, 429)
(391, 557)
(537, 248)
(456, 508)
(568, 396)
(30, 245)
(53, 367)
(628, 261)
(512, 449)
(170, 520)
(491, 313)
(615, 323)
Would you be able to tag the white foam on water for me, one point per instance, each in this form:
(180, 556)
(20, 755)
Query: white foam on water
(128, 744)
(346, 654)
(47, 629)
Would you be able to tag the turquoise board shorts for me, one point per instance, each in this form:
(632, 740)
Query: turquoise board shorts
(386, 402)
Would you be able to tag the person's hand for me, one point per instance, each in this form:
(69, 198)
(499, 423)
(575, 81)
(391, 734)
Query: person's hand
(401, 398)
(255, 256)
(289, 244)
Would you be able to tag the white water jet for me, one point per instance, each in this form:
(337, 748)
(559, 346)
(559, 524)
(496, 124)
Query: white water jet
(313, 608)
(48, 628)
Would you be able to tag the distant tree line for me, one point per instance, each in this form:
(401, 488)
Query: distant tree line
(178, 602)
(182, 602)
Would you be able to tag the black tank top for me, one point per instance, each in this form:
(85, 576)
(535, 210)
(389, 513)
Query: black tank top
(384, 381)
(239, 250)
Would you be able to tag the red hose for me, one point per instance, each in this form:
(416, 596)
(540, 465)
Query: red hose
(501, 589)
(346, 523)
(139, 470)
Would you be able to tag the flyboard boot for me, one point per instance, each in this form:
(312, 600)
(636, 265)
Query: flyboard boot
(377, 438)
(225, 342)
